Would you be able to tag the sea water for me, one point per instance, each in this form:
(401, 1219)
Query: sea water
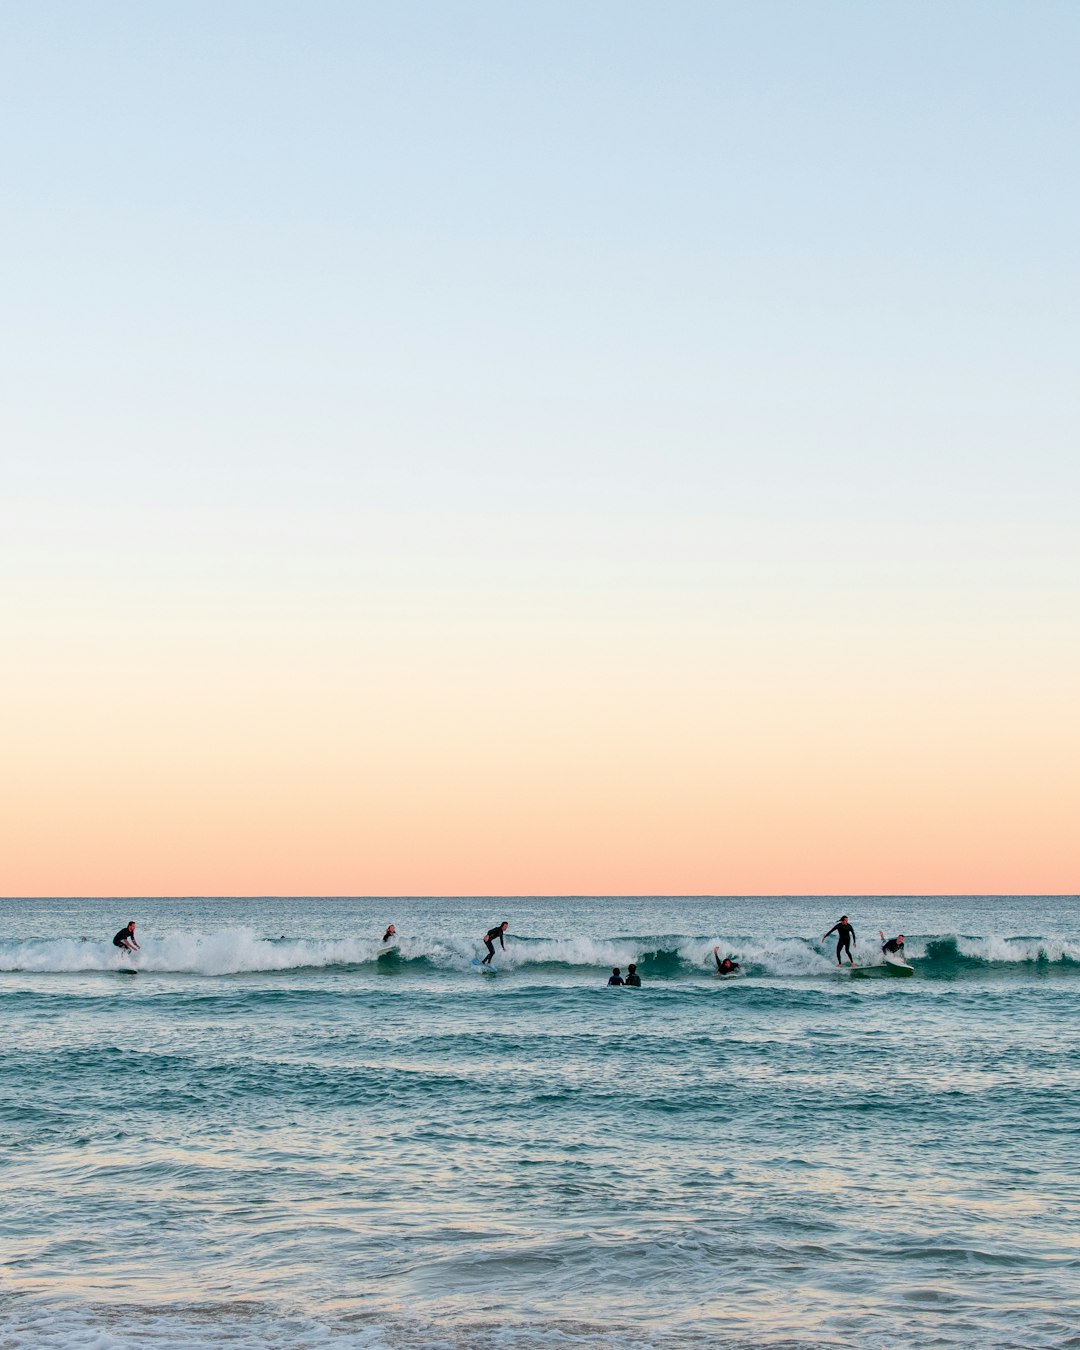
(277, 1134)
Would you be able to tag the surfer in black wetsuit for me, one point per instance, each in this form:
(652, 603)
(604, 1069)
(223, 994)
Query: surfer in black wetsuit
(616, 977)
(489, 941)
(892, 947)
(390, 932)
(725, 967)
(125, 939)
(845, 936)
(632, 977)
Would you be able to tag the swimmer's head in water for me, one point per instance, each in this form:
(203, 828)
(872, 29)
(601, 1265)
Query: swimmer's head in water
(614, 970)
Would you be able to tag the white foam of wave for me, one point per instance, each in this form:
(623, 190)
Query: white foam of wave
(231, 951)
(226, 952)
(793, 957)
(994, 948)
(574, 951)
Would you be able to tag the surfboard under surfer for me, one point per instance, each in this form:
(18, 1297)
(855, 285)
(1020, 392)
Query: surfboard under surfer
(845, 936)
(489, 941)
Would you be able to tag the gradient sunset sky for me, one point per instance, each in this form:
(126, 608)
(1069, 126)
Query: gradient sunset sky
(565, 447)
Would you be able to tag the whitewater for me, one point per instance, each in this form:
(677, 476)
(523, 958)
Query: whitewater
(283, 1134)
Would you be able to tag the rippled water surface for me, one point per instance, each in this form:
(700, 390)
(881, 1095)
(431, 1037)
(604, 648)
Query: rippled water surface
(278, 1134)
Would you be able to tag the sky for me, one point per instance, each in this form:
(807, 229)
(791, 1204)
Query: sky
(580, 447)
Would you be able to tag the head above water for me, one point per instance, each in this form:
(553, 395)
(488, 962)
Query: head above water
(615, 970)
(632, 968)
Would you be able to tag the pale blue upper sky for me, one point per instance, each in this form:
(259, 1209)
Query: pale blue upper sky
(685, 277)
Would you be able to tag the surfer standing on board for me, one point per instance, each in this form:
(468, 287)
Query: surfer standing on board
(489, 941)
(125, 939)
(894, 946)
(845, 936)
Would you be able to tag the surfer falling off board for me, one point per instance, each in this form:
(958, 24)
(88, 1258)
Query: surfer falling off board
(892, 946)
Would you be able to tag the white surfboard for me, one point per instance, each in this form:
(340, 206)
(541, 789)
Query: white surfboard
(897, 965)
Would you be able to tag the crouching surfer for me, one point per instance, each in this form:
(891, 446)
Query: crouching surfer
(726, 966)
(125, 939)
(489, 941)
(390, 933)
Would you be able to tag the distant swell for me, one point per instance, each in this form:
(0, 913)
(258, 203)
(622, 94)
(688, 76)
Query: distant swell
(234, 951)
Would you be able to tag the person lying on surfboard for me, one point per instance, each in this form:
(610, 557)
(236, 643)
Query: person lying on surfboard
(894, 946)
(125, 939)
(489, 941)
(390, 932)
(725, 967)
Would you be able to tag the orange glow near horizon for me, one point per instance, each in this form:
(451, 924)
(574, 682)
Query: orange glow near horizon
(616, 766)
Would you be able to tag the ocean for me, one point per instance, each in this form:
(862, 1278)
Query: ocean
(276, 1136)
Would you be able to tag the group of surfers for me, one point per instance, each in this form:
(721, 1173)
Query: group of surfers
(845, 936)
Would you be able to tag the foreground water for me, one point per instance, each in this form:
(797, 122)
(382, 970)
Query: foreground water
(275, 1136)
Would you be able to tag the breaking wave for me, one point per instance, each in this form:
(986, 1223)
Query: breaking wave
(233, 951)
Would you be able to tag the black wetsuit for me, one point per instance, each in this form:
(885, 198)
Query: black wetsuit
(388, 935)
(844, 935)
(633, 980)
(893, 946)
(122, 939)
(489, 941)
(616, 979)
